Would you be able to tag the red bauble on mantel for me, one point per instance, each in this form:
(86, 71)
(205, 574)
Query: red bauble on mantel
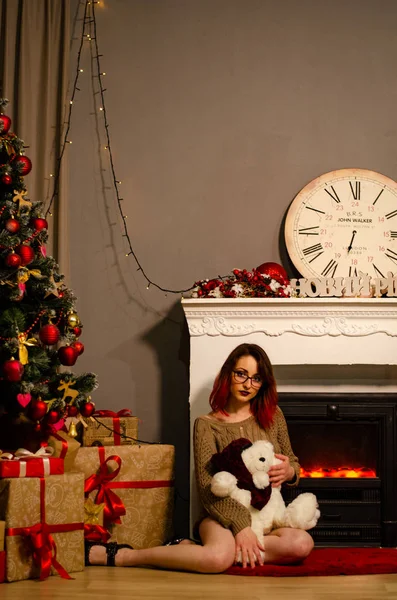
(12, 225)
(38, 410)
(87, 409)
(5, 124)
(49, 334)
(6, 179)
(26, 253)
(275, 271)
(13, 260)
(13, 370)
(67, 356)
(39, 224)
(23, 164)
(78, 346)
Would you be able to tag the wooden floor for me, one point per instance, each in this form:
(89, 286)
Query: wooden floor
(102, 583)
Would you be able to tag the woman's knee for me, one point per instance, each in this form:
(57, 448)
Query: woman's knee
(300, 544)
(216, 559)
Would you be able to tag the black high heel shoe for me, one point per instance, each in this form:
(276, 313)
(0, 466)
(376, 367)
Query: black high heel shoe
(111, 550)
(176, 541)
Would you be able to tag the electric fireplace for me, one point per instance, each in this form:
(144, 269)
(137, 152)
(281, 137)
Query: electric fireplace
(347, 450)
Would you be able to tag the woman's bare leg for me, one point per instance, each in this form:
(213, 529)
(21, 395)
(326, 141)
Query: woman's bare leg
(214, 556)
(287, 546)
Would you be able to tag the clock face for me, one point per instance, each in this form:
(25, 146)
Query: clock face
(343, 223)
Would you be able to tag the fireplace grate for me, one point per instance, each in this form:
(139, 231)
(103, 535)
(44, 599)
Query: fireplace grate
(339, 534)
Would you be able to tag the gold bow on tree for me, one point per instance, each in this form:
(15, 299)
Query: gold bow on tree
(23, 351)
(24, 274)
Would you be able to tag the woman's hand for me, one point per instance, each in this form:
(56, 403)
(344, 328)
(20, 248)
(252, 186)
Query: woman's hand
(281, 472)
(248, 543)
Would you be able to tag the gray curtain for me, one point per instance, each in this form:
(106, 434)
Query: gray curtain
(34, 60)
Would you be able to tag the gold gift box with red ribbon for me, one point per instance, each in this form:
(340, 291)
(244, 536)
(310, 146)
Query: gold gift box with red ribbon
(28, 464)
(108, 428)
(136, 485)
(44, 525)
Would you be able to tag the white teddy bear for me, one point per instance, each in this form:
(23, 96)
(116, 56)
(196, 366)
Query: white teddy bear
(265, 503)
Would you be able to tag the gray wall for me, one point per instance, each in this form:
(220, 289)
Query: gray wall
(220, 111)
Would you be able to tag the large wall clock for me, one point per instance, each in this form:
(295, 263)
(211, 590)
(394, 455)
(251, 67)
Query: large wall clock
(344, 222)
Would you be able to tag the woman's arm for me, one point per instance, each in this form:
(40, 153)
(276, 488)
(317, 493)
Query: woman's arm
(285, 447)
(227, 511)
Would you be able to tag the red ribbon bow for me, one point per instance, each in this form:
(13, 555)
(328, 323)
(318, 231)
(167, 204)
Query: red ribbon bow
(114, 507)
(44, 550)
(96, 533)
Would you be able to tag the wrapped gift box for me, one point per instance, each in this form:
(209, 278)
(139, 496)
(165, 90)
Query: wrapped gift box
(109, 428)
(27, 464)
(64, 447)
(136, 483)
(2, 553)
(49, 509)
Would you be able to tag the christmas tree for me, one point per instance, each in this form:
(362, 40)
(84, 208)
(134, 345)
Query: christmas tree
(39, 326)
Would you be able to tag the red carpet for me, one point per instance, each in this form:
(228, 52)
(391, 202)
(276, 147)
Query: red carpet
(330, 561)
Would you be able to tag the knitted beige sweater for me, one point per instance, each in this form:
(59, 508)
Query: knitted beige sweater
(211, 436)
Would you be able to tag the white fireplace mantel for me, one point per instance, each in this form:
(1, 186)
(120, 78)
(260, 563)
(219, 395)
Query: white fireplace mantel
(341, 331)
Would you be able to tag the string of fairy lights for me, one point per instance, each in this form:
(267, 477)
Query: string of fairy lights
(89, 35)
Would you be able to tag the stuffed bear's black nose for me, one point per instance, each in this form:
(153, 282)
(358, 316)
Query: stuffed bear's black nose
(262, 459)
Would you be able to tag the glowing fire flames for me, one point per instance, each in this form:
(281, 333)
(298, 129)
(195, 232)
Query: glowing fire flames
(340, 472)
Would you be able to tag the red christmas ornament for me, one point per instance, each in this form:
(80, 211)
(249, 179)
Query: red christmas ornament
(38, 410)
(73, 411)
(26, 253)
(23, 164)
(275, 271)
(5, 124)
(13, 260)
(49, 334)
(79, 347)
(67, 356)
(87, 409)
(77, 331)
(12, 225)
(38, 224)
(52, 416)
(37, 428)
(13, 370)
(6, 179)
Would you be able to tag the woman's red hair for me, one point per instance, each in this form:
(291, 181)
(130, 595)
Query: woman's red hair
(264, 405)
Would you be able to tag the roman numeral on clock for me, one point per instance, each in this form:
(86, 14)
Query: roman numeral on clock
(357, 189)
(315, 210)
(378, 196)
(353, 272)
(392, 214)
(309, 230)
(330, 268)
(392, 255)
(312, 250)
(333, 194)
(393, 234)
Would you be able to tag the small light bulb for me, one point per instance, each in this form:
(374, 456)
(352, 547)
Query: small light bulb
(103, 73)
(71, 102)
(101, 108)
(81, 70)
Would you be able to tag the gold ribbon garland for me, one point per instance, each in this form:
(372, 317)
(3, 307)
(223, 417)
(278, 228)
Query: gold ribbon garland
(23, 351)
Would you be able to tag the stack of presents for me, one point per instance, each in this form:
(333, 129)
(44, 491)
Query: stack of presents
(108, 488)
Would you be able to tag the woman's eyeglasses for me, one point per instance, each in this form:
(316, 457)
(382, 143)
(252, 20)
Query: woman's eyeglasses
(241, 377)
